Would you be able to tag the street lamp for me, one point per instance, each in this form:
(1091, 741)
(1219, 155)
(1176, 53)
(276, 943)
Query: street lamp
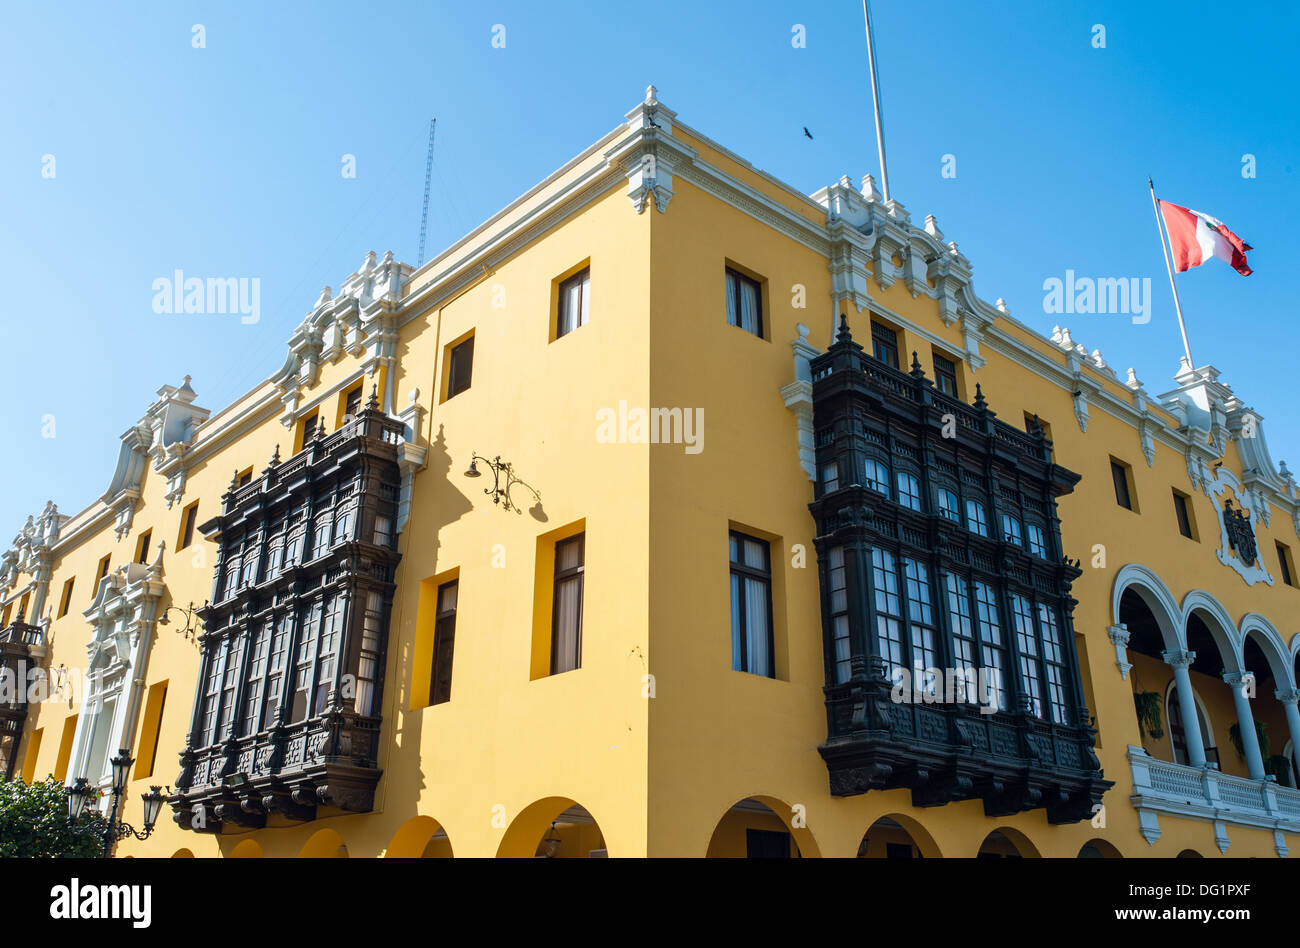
(185, 630)
(81, 793)
(503, 481)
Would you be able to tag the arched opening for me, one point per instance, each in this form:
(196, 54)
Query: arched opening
(1177, 729)
(420, 837)
(1098, 849)
(1263, 658)
(182, 854)
(324, 844)
(897, 837)
(1190, 854)
(761, 827)
(1007, 843)
(248, 849)
(1152, 632)
(553, 828)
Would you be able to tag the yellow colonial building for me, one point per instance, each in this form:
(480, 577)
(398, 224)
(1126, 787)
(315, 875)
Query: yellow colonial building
(674, 512)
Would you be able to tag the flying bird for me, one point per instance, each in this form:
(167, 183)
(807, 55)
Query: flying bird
(806, 132)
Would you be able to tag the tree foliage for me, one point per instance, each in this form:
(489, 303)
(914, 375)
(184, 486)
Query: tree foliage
(34, 822)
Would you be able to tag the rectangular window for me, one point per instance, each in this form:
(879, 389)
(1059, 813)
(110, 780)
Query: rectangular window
(1031, 686)
(566, 615)
(992, 648)
(307, 429)
(327, 654)
(230, 683)
(889, 611)
(909, 490)
(101, 571)
(1011, 529)
(460, 367)
(1286, 564)
(352, 404)
(372, 625)
(839, 612)
(1054, 662)
(877, 476)
(142, 547)
(212, 694)
(1037, 542)
(1184, 514)
(751, 605)
(245, 478)
(189, 517)
(1119, 472)
(744, 302)
(275, 671)
(884, 344)
(150, 728)
(256, 679)
(948, 505)
(574, 303)
(305, 661)
(920, 615)
(945, 375)
(383, 531)
(976, 521)
(444, 641)
(830, 477)
(963, 635)
(65, 599)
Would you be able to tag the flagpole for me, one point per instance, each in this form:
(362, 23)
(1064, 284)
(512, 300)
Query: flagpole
(875, 101)
(1178, 308)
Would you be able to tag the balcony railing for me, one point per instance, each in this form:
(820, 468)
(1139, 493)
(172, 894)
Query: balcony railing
(1204, 793)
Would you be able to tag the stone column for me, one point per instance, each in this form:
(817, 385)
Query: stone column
(1246, 723)
(1180, 662)
(1289, 697)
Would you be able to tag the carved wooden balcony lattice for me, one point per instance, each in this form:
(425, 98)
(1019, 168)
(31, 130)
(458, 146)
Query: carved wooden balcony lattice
(287, 710)
(1036, 750)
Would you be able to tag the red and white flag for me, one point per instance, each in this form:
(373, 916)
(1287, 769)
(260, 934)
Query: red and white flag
(1195, 238)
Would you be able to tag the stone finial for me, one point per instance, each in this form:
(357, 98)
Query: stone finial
(319, 433)
(274, 462)
(1133, 382)
(952, 248)
(802, 331)
(326, 294)
(932, 227)
(846, 181)
(1056, 335)
(917, 371)
(844, 335)
(234, 479)
(980, 402)
(388, 257)
(371, 257)
(1097, 360)
(1065, 342)
(372, 403)
(869, 190)
(1001, 304)
(651, 95)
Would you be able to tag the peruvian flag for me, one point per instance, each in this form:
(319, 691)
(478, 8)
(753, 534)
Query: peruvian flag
(1195, 237)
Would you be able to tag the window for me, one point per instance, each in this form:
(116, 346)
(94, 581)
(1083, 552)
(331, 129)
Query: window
(889, 611)
(383, 531)
(212, 694)
(839, 612)
(1037, 542)
(1022, 618)
(963, 634)
(304, 663)
(992, 648)
(751, 605)
(566, 615)
(459, 367)
(147, 753)
(372, 623)
(352, 404)
(1054, 662)
(230, 682)
(66, 598)
(306, 433)
(257, 665)
(976, 521)
(142, 547)
(327, 653)
(101, 572)
(275, 671)
(244, 478)
(877, 476)
(4, 620)
(744, 302)
(830, 477)
(1011, 529)
(574, 304)
(444, 638)
(909, 490)
(945, 375)
(1119, 472)
(948, 508)
(884, 344)
(1184, 514)
(920, 616)
(1286, 564)
(189, 516)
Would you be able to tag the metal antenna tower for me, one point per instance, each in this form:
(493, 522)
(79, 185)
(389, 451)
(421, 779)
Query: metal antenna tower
(428, 171)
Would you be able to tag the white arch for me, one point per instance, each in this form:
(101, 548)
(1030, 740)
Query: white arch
(1207, 732)
(1276, 653)
(1220, 624)
(1158, 599)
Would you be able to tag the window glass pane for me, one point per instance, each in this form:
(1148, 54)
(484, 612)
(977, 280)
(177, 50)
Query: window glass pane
(760, 661)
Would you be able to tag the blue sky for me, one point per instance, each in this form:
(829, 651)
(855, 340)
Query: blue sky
(226, 161)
